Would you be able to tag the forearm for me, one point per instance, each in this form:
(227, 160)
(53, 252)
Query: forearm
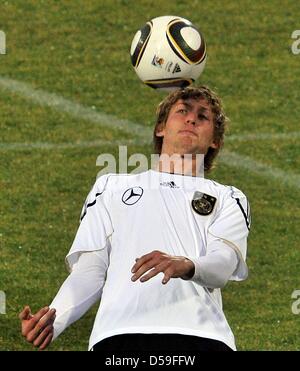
(81, 289)
(214, 269)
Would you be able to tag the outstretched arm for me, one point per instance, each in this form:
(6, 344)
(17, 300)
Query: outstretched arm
(81, 289)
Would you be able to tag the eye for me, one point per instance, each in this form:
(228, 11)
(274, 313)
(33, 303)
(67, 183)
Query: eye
(202, 117)
(182, 110)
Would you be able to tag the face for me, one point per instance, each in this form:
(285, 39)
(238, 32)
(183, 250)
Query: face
(189, 128)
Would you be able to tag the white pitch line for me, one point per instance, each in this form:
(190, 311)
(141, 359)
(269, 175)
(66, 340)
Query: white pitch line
(57, 146)
(15, 146)
(263, 136)
(137, 131)
(75, 110)
(80, 112)
(243, 162)
(138, 141)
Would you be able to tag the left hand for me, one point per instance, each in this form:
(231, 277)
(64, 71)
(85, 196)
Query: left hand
(157, 261)
(38, 328)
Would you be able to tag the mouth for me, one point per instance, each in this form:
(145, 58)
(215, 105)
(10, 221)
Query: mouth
(187, 132)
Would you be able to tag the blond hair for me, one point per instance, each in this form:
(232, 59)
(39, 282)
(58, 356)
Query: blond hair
(197, 93)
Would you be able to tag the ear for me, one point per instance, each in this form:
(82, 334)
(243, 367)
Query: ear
(160, 131)
(215, 145)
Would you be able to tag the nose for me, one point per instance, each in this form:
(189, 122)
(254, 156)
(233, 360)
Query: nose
(191, 118)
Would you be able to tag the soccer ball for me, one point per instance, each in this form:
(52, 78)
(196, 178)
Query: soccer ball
(168, 53)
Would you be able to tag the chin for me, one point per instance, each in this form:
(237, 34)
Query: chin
(190, 150)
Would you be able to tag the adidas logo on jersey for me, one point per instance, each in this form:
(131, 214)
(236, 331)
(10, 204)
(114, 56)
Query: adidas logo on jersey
(169, 184)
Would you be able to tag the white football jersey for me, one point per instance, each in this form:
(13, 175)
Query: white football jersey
(132, 215)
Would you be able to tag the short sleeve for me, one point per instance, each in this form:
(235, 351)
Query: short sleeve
(95, 223)
(232, 225)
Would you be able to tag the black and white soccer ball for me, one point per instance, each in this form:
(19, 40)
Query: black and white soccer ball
(168, 53)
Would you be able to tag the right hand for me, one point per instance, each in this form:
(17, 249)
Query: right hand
(38, 328)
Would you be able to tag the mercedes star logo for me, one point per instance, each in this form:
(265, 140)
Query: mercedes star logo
(132, 195)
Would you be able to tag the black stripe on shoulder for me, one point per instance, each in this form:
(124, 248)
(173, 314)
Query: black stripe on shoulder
(94, 202)
(90, 204)
(248, 213)
(245, 214)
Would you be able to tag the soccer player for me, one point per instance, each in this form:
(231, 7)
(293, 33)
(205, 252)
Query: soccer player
(158, 246)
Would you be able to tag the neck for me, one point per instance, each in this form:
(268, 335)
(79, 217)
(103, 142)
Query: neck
(188, 164)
